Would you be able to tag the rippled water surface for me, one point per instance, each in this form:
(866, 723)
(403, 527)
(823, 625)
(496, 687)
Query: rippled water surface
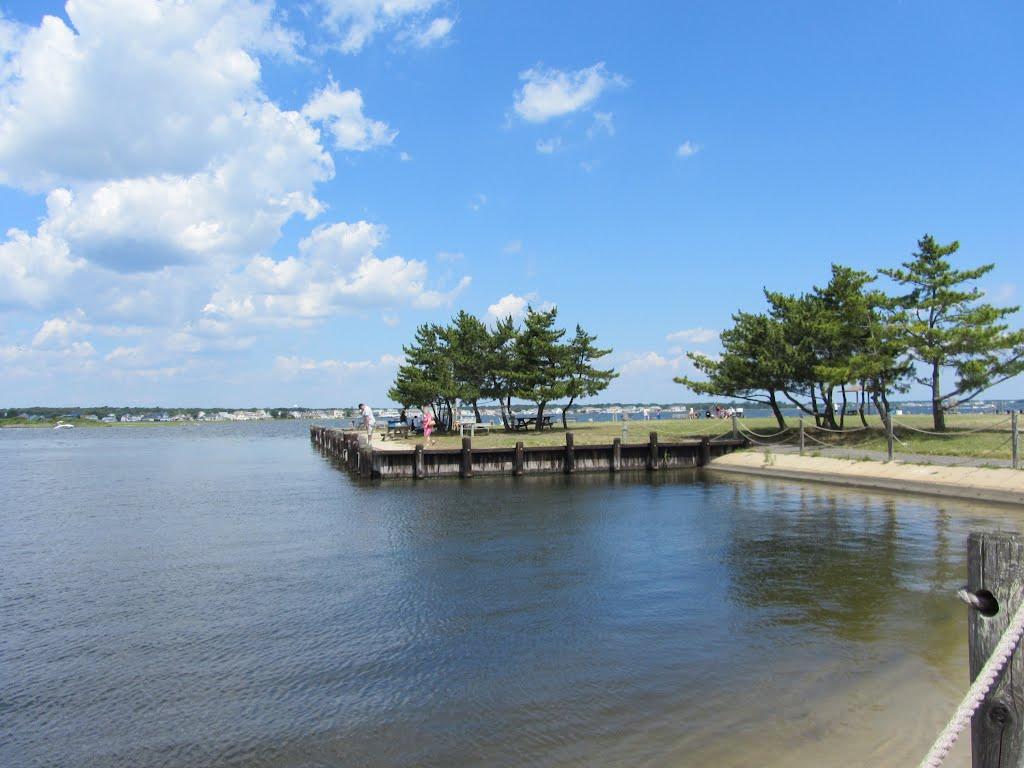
(222, 595)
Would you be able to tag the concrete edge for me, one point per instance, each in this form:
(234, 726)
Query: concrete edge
(969, 493)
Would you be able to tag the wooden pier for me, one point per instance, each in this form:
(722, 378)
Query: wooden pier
(352, 449)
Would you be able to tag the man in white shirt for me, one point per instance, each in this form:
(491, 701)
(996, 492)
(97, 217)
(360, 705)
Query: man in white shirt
(368, 420)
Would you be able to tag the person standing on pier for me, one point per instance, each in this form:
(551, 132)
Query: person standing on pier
(428, 425)
(368, 420)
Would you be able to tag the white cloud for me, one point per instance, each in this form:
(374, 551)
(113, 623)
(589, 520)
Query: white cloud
(357, 21)
(549, 146)
(603, 121)
(648, 362)
(687, 149)
(134, 88)
(341, 112)
(405, 157)
(479, 201)
(516, 306)
(549, 93)
(435, 32)
(337, 270)
(694, 335)
(449, 257)
(34, 267)
(147, 124)
(289, 366)
(513, 246)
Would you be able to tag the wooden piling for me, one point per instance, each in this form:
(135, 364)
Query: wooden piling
(705, 451)
(570, 453)
(652, 452)
(418, 468)
(994, 569)
(466, 470)
(518, 459)
(617, 454)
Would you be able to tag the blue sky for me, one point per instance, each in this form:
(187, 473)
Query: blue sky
(238, 202)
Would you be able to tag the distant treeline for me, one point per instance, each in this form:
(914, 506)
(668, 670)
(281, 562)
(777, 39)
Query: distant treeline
(60, 412)
(849, 340)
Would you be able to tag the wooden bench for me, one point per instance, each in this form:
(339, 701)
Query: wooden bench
(484, 429)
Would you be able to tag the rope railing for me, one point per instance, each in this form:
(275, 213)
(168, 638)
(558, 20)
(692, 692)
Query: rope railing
(986, 428)
(976, 693)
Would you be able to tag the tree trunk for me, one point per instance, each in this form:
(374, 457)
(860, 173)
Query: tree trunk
(842, 414)
(540, 416)
(476, 412)
(565, 423)
(938, 413)
(814, 407)
(860, 407)
(776, 410)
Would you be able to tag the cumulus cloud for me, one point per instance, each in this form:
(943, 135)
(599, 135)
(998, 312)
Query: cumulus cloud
(337, 270)
(516, 306)
(513, 246)
(147, 124)
(290, 366)
(34, 267)
(687, 149)
(547, 93)
(357, 21)
(647, 362)
(694, 335)
(341, 112)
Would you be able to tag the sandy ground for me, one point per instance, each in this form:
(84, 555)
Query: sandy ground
(981, 483)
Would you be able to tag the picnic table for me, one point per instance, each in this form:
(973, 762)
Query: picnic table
(395, 430)
(525, 422)
(474, 428)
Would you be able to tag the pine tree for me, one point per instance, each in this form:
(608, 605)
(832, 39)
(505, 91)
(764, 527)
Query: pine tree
(752, 365)
(582, 378)
(540, 360)
(946, 327)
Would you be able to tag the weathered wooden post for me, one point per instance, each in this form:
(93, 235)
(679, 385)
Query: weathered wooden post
(570, 453)
(417, 462)
(518, 459)
(1014, 441)
(995, 574)
(616, 454)
(466, 470)
(889, 436)
(801, 435)
(652, 452)
(735, 428)
(705, 451)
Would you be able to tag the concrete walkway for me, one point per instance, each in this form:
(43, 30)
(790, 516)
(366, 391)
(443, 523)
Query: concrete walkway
(979, 483)
(832, 452)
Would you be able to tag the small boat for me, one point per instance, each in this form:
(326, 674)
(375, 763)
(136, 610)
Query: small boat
(62, 425)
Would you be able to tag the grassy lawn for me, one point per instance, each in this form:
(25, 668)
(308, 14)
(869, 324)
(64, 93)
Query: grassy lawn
(961, 439)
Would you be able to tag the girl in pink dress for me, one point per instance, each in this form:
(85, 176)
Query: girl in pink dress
(428, 425)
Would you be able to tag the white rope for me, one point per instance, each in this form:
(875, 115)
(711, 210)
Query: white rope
(782, 431)
(976, 693)
(837, 431)
(986, 428)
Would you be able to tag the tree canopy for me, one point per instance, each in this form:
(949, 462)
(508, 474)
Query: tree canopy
(470, 362)
(814, 349)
